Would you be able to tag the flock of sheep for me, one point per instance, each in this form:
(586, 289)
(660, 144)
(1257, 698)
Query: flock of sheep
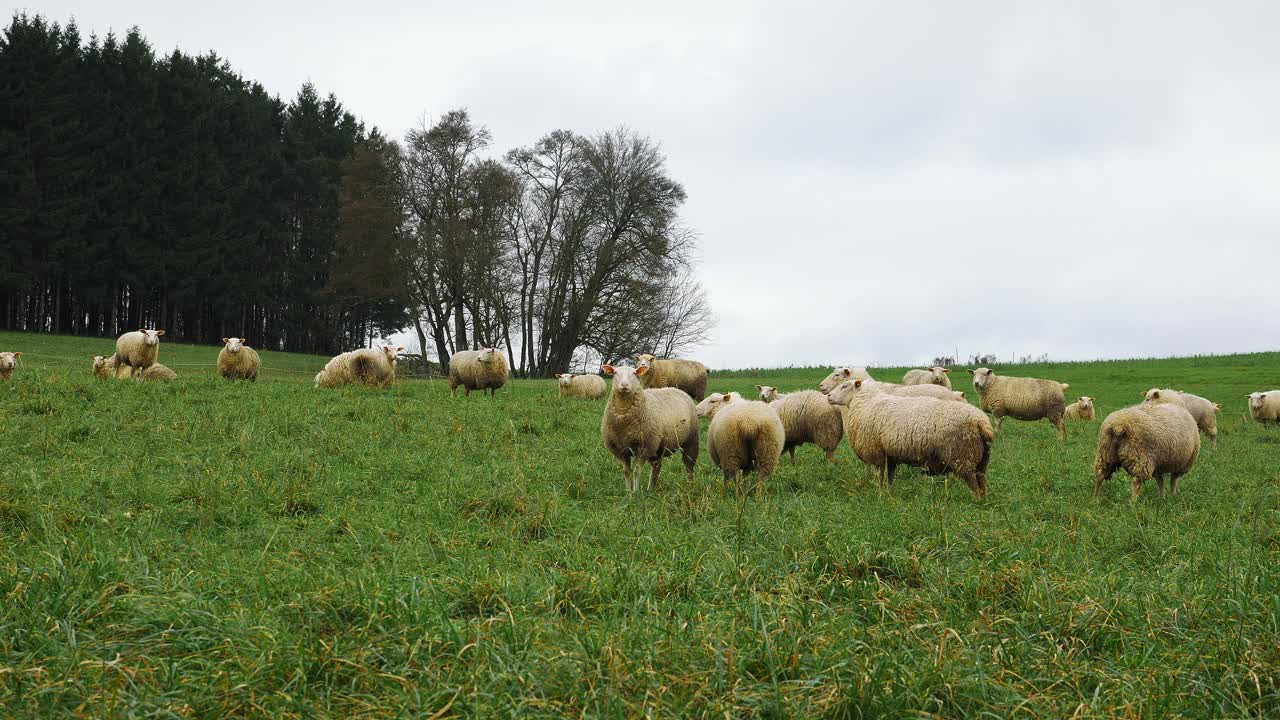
(922, 422)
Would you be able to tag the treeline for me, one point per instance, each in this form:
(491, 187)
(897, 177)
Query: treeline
(169, 192)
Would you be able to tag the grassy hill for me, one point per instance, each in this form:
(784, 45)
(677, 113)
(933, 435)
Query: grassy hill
(203, 548)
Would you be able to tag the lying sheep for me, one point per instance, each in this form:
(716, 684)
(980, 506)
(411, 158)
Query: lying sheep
(477, 370)
(587, 387)
(688, 375)
(105, 368)
(156, 371)
(8, 361)
(807, 417)
(841, 374)
(138, 350)
(1081, 409)
(744, 435)
(237, 361)
(1021, 398)
(647, 425)
(769, 393)
(376, 367)
(932, 376)
(935, 435)
(1204, 411)
(1147, 440)
(1265, 406)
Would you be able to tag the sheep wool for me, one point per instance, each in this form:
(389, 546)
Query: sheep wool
(375, 367)
(586, 387)
(687, 375)
(1021, 398)
(1265, 406)
(841, 374)
(8, 361)
(237, 361)
(477, 370)
(156, 371)
(138, 350)
(937, 392)
(936, 435)
(807, 417)
(105, 368)
(934, 375)
(1081, 409)
(745, 436)
(1147, 440)
(1204, 411)
(642, 425)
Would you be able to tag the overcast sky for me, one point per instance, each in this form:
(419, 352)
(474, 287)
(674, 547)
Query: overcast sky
(873, 183)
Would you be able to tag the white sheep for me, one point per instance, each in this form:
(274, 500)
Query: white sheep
(934, 375)
(376, 367)
(647, 425)
(8, 361)
(587, 387)
(1204, 411)
(769, 393)
(688, 375)
(477, 370)
(937, 392)
(1081, 409)
(936, 435)
(744, 435)
(807, 417)
(1265, 406)
(156, 371)
(1021, 398)
(841, 374)
(138, 351)
(1147, 440)
(237, 361)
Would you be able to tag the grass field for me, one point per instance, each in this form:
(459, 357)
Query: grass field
(200, 549)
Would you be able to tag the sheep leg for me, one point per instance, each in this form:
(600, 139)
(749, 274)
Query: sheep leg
(727, 478)
(890, 467)
(1173, 483)
(999, 418)
(831, 455)
(1062, 428)
(1160, 483)
(1213, 440)
(971, 478)
(759, 483)
(689, 455)
(655, 468)
(792, 452)
(626, 471)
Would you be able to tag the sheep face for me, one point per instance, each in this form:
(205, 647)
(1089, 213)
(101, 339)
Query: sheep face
(938, 375)
(626, 380)
(836, 377)
(99, 362)
(1255, 401)
(645, 360)
(393, 353)
(768, 393)
(151, 337)
(843, 393)
(565, 379)
(486, 355)
(959, 396)
(1085, 402)
(233, 344)
(713, 402)
(9, 360)
(981, 377)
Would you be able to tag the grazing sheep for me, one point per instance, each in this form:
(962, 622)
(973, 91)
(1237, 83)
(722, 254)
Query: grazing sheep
(8, 361)
(769, 393)
(688, 375)
(1081, 409)
(841, 374)
(138, 350)
(932, 376)
(156, 371)
(935, 435)
(1265, 406)
(1021, 398)
(1204, 411)
(587, 387)
(366, 365)
(477, 370)
(104, 368)
(807, 417)
(647, 425)
(237, 361)
(744, 435)
(1147, 440)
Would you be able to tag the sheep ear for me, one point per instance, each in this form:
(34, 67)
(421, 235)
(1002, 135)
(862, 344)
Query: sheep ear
(642, 369)
(857, 383)
(17, 354)
(847, 372)
(970, 370)
(159, 333)
(758, 387)
(608, 369)
(727, 397)
(946, 370)
(226, 340)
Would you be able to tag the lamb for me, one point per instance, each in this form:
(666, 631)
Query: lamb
(587, 387)
(477, 370)
(1147, 440)
(647, 425)
(104, 368)
(237, 361)
(1204, 411)
(156, 371)
(1081, 409)
(1265, 406)
(1021, 398)
(841, 374)
(375, 367)
(769, 393)
(935, 435)
(688, 375)
(744, 435)
(8, 361)
(934, 376)
(138, 350)
(807, 417)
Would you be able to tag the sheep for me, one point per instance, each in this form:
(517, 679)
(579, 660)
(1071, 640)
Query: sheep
(156, 371)
(688, 375)
(932, 376)
(1081, 409)
(936, 435)
(138, 350)
(587, 387)
(1204, 411)
(375, 367)
(647, 425)
(1265, 406)
(237, 361)
(105, 368)
(1147, 440)
(841, 374)
(769, 393)
(477, 370)
(1021, 398)
(807, 417)
(933, 391)
(744, 435)
(8, 361)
